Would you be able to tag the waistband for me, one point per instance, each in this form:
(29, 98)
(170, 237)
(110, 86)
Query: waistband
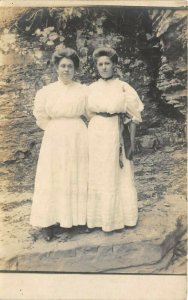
(106, 115)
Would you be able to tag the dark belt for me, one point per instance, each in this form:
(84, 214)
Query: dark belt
(106, 115)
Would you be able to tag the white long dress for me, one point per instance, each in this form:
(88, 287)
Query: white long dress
(60, 193)
(112, 196)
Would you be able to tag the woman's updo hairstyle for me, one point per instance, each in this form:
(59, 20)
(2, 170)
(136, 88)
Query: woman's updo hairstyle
(105, 51)
(65, 53)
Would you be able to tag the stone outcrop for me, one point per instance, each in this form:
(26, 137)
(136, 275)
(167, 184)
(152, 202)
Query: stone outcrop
(170, 27)
(19, 136)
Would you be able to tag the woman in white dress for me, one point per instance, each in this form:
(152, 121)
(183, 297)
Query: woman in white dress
(60, 193)
(112, 196)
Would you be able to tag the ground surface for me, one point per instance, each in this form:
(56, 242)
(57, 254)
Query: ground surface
(156, 245)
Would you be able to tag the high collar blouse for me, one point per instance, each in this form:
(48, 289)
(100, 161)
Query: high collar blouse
(114, 96)
(58, 100)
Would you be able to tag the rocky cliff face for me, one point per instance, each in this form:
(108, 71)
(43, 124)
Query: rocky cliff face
(20, 138)
(170, 27)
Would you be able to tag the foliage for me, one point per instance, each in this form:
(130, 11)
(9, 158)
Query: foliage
(40, 30)
(56, 25)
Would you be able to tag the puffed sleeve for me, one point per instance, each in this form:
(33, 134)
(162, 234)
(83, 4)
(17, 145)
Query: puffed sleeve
(133, 102)
(39, 112)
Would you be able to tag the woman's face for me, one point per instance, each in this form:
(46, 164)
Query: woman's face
(65, 69)
(105, 67)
